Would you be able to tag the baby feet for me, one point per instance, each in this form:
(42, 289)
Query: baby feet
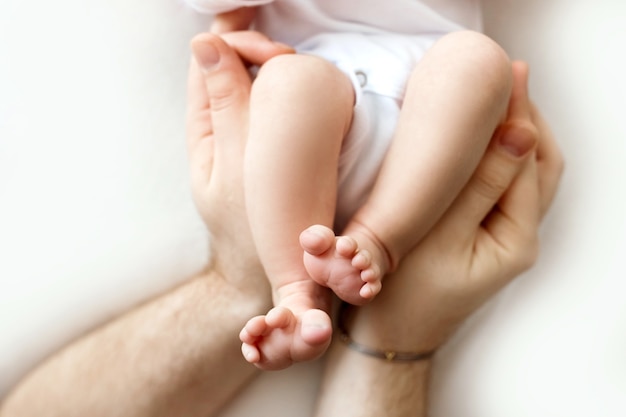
(290, 332)
(340, 263)
(299, 329)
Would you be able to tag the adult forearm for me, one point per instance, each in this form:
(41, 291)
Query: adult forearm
(356, 385)
(176, 355)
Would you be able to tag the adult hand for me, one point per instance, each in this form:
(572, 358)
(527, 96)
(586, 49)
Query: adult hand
(217, 128)
(486, 238)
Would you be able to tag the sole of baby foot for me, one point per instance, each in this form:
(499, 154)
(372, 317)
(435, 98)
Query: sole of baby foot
(280, 338)
(339, 264)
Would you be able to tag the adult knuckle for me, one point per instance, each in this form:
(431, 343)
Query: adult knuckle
(490, 183)
(225, 92)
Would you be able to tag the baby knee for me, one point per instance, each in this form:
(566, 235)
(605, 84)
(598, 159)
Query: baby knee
(300, 74)
(481, 55)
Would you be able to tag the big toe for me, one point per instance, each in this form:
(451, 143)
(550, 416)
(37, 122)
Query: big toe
(280, 317)
(317, 239)
(316, 327)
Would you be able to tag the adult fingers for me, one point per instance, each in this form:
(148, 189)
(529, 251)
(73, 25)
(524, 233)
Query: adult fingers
(550, 161)
(523, 113)
(503, 160)
(218, 95)
(254, 47)
(516, 216)
(198, 116)
(200, 147)
(513, 224)
(219, 106)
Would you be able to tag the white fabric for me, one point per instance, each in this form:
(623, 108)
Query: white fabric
(384, 60)
(292, 21)
(221, 6)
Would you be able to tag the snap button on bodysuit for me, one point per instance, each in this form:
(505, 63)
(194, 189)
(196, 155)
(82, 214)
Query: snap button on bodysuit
(362, 77)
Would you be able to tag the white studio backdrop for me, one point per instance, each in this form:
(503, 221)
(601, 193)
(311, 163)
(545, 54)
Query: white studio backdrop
(96, 214)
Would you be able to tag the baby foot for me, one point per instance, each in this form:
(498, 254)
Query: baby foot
(341, 264)
(286, 335)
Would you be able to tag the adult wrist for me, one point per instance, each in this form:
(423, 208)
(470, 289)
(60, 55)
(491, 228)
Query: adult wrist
(386, 353)
(249, 291)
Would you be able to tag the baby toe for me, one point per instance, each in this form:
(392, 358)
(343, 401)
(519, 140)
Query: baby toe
(317, 239)
(250, 353)
(279, 317)
(371, 274)
(362, 260)
(370, 290)
(254, 328)
(346, 246)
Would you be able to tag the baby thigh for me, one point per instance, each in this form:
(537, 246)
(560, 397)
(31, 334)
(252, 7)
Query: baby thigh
(300, 110)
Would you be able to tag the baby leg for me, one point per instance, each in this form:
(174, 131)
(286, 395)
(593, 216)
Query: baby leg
(300, 111)
(455, 99)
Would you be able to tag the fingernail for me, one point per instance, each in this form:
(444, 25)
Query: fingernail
(516, 141)
(207, 56)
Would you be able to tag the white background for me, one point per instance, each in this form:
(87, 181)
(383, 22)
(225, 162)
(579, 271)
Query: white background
(95, 211)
